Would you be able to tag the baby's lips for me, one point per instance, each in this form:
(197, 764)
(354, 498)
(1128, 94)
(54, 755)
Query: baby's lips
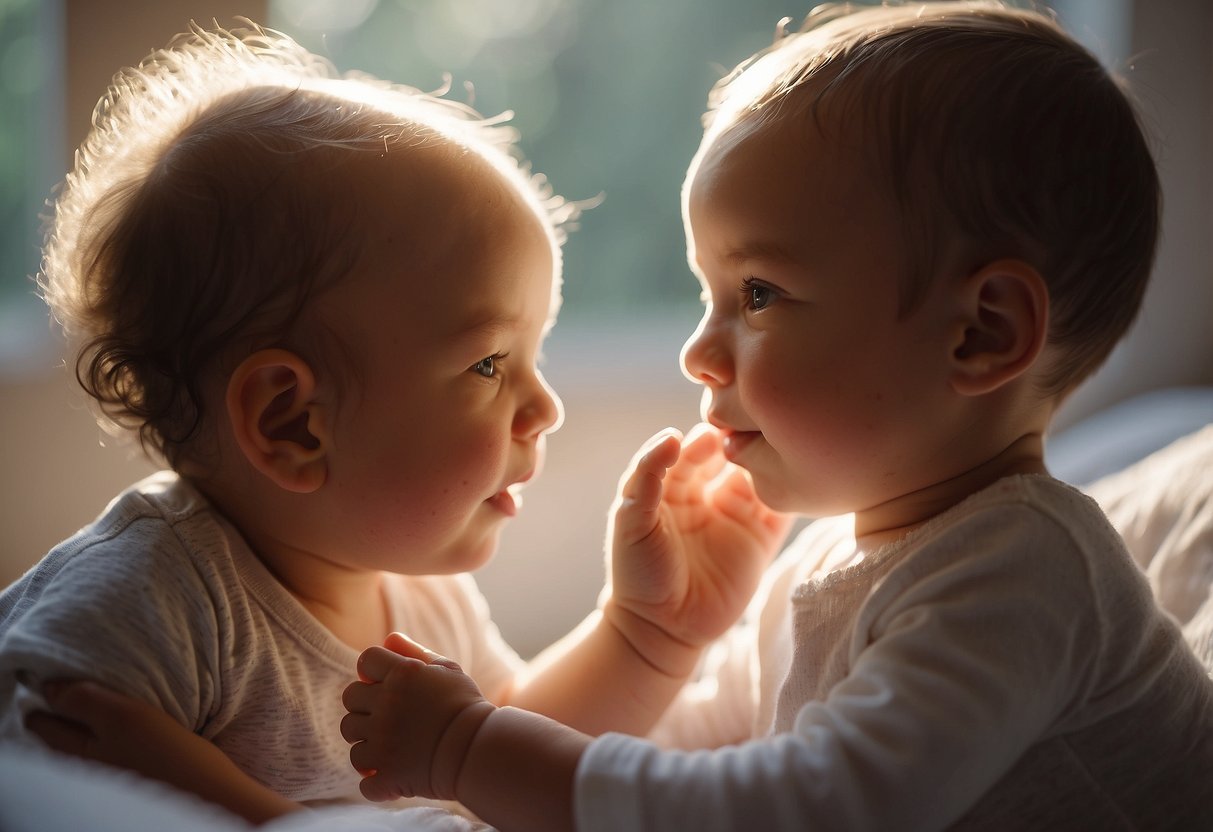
(506, 502)
(737, 441)
(715, 421)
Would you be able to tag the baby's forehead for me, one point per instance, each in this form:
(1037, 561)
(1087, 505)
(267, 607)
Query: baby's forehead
(441, 193)
(823, 162)
(436, 206)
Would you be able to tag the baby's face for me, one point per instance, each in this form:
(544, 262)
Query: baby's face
(823, 394)
(444, 319)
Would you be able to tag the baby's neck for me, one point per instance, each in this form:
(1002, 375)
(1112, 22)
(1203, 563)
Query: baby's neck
(893, 520)
(349, 603)
(360, 628)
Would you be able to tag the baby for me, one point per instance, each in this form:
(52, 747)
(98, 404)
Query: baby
(917, 229)
(321, 299)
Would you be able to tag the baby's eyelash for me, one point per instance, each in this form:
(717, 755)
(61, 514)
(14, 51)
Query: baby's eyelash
(487, 366)
(751, 289)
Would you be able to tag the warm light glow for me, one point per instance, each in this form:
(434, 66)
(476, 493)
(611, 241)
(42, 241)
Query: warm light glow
(490, 19)
(327, 15)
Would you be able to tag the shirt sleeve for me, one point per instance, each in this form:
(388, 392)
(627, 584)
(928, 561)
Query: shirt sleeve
(958, 665)
(128, 611)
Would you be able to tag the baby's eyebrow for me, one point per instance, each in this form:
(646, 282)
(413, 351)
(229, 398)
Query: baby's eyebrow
(487, 327)
(759, 250)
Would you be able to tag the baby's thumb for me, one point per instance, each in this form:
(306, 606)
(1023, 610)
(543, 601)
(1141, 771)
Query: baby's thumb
(405, 646)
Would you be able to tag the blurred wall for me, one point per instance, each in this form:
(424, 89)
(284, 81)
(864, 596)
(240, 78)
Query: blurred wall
(1171, 72)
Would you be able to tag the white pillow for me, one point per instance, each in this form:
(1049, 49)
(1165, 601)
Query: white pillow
(1162, 507)
(41, 791)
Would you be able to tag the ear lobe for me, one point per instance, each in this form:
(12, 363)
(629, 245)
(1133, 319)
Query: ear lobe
(1003, 328)
(277, 423)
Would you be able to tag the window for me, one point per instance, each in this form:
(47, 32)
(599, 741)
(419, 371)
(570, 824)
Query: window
(607, 96)
(30, 158)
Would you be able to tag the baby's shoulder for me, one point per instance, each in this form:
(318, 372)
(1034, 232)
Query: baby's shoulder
(1027, 510)
(1032, 532)
(160, 530)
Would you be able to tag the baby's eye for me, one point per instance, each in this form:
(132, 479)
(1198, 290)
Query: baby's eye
(487, 366)
(757, 296)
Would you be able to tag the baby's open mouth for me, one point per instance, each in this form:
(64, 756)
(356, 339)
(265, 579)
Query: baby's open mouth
(507, 502)
(509, 499)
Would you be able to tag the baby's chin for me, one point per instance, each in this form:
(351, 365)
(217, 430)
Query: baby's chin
(773, 495)
(476, 556)
(780, 496)
(452, 558)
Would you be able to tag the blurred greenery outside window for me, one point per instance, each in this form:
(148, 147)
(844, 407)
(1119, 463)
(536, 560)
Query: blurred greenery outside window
(607, 98)
(31, 159)
(607, 95)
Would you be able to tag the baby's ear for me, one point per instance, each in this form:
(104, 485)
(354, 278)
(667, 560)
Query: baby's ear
(1002, 328)
(278, 423)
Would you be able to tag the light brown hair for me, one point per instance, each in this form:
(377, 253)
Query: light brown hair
(997, 134)
(194, 225)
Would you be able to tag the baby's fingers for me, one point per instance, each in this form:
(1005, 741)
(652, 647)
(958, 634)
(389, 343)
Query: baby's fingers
(376, 663)
(79, 709)
(640, 489)
(364, 758)
(86, 702)
(377, 788)
(358, 697)
(732, 495)
(355, 726)
(702, 459)
(59, 734)
(402, 645)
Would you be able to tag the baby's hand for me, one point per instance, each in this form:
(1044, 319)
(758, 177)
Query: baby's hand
(411, 720)
(689, 540)
(96, 723)
(93, 722)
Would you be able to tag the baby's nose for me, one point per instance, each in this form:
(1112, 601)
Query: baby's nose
(542, 413)
(705, 359)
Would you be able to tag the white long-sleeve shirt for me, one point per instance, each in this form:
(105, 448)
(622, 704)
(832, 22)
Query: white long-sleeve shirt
(1003, 667)
(161, 598)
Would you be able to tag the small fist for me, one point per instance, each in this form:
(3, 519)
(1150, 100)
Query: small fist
(411, 720)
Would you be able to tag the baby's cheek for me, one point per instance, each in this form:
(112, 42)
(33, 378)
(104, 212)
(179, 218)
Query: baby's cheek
(482, 458)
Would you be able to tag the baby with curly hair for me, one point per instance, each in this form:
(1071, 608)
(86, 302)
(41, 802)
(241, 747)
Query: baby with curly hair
(321, 299)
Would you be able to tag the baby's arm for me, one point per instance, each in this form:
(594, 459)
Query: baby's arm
(689, 541)
(420, 727)
(95, 723)
(933, 705)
